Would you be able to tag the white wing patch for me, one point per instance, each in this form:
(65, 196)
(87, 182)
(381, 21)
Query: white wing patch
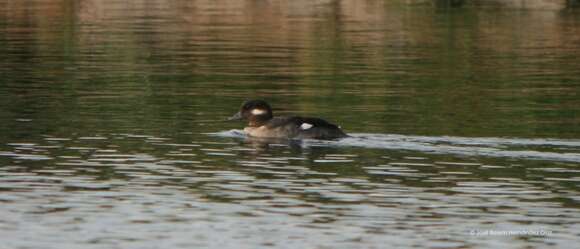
(258, 111)
(306, 126)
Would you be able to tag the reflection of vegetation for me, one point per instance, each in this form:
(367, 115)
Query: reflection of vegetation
(449, 3)
(373, 67)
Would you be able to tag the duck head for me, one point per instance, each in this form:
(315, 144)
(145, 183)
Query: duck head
(257, 112)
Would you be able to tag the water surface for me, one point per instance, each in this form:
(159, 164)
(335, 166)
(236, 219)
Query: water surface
(464, 120)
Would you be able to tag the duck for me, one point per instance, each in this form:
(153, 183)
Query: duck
(263, 124)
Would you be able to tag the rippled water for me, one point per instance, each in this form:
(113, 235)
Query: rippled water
(463, 123)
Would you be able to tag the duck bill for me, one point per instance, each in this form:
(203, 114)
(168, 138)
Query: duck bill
(237, 116)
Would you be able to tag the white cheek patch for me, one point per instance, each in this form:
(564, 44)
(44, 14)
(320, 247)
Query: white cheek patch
(258, 111)
(306, 126)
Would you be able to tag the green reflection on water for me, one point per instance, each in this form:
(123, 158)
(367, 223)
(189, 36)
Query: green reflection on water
(382, 67)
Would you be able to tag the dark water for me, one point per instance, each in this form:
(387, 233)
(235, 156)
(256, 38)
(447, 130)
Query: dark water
(465, 124)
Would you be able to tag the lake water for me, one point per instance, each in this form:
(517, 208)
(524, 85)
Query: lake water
(464, 124)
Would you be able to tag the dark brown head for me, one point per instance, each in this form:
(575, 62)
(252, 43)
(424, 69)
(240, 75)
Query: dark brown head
(257, 112)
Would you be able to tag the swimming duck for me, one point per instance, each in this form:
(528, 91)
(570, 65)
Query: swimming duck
(262, 123)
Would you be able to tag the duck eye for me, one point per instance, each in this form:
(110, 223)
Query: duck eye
(258, 111)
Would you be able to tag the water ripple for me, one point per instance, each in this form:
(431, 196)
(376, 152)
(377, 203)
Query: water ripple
(490, 147)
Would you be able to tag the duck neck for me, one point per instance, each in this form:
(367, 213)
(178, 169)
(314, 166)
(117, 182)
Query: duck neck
(259, 120)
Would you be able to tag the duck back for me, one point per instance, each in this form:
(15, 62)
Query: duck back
(305, 127)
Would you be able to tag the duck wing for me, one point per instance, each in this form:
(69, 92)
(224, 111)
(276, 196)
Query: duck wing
(307, 127)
